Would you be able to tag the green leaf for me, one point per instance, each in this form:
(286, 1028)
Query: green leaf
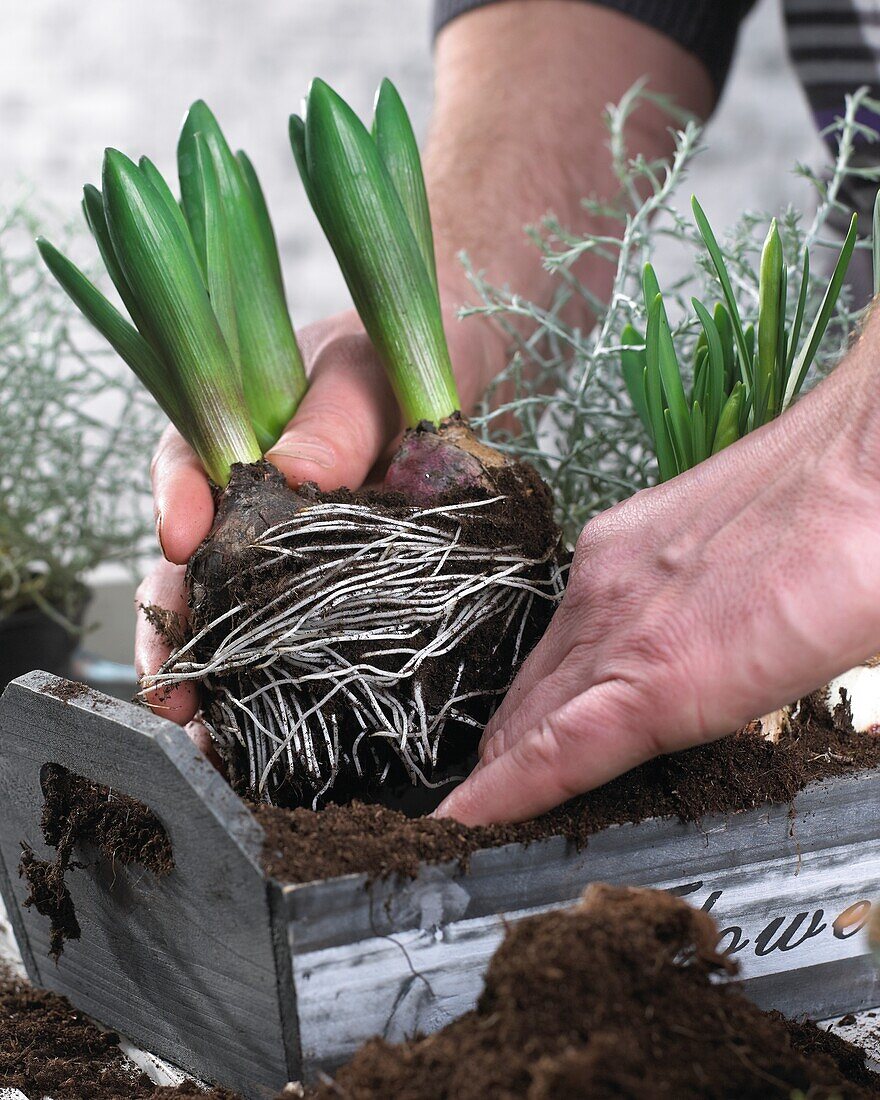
(364, 220)
(717, 258)
(805, 356)
(728, 424)
(156, 178)
(258, 199)
(659, 343)
(716, 370)
(701, 376)
(650, 286)
(725, 333)
(633, 367)
(93, 208)
(271, 365)
(165, 278)
(216, 261)
(698, 429)
(798, 316)
(396, 142)
(771, 282)
(666, 462)
(107, 319)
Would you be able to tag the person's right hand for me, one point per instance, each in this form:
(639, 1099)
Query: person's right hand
(342, 429)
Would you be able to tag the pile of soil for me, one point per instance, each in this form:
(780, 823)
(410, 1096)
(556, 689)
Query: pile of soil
(740, 772)
(47, 1048)
(612, 998)
(78, 811)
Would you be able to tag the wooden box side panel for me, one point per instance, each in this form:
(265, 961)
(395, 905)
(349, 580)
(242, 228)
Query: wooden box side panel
(794, 923)
(185, 965)
(517, 877)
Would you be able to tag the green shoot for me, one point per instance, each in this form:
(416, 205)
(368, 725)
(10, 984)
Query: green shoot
(742, 378)
(396, 142)
(271, 366)
(211, 337)
(368, 195)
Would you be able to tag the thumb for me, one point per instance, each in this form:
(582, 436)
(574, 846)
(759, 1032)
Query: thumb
(346, 419)
(582, 744)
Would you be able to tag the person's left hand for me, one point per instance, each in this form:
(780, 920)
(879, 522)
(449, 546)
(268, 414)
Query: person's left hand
(692, 608)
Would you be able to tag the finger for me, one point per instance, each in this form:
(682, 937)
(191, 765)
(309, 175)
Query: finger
(536, 670)
(567, 681)
(583, 744)
(201, 738)
(346, 419)
(181, 497)
(163, 588)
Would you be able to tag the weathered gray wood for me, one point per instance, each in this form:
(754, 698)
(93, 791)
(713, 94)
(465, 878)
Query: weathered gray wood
(185, 964)
(250, 981)
(838, 813)
(776, 882)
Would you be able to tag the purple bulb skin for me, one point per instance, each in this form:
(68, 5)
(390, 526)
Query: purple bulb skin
(432, 463)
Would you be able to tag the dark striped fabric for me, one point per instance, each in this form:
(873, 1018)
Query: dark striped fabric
(835, 47)
(707, 28)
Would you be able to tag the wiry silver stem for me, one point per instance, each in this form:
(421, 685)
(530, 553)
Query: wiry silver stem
(364, 647)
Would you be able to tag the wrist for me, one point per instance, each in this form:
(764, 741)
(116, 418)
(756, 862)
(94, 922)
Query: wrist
(478, 345)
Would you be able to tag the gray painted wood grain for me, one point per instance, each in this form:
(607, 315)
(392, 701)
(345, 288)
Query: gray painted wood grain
(183, 964)
(242, 979)
(780, 885)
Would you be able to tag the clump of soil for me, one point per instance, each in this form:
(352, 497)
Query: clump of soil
(738, 773)
(47, 1048)
(77, 811)
(66, 690)
(615, 997)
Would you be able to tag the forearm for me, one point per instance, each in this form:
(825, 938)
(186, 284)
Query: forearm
(517, 129)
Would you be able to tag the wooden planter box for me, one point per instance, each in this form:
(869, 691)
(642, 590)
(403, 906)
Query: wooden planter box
(252, 982)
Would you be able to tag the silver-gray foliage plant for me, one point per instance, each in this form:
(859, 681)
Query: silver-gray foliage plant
(575, 421)
(74, 433)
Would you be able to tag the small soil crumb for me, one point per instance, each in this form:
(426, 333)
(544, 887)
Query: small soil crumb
(67, 690)
(846, 1021)
(740, 772)
(615, 997)
(47, 1048)
(167, 624)
(76, 810)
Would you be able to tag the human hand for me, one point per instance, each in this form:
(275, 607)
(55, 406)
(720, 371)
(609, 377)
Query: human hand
(693, 608)
(343, 427)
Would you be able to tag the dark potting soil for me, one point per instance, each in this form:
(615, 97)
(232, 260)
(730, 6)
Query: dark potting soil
(612, 998)
(48, 1048)
(78, 811)
(740, 772)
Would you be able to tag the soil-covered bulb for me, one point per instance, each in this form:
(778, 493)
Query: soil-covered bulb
(357, 642)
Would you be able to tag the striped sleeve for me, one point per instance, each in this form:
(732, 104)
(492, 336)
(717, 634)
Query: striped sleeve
(835, 48)
(705, 28)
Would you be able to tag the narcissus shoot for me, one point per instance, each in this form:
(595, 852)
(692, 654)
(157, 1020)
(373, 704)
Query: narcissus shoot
(743, 376)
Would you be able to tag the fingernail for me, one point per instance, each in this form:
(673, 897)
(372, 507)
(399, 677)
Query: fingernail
(305, 448)
(159, 534)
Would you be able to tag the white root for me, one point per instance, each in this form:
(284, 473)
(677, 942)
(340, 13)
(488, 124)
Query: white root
(372, 601)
